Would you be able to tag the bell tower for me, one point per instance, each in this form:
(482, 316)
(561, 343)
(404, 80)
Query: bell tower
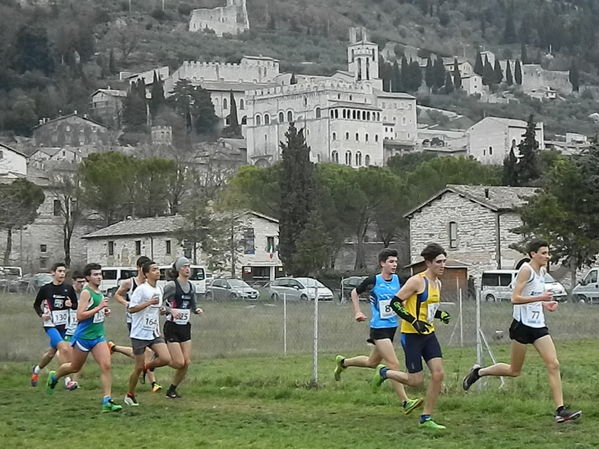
(362, 55)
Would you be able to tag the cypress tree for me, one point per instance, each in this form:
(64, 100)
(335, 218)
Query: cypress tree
(488, 73)
(415, 75)
(157, 100)
(457, 77)
(405, 78)
(509, 79)
(448, 87)
(528, 169)
(296, 185)
(518, 73)
(478, 65)
(574, 77)
(429, 77)
(439, 73)
(396, 78)
(497, 72)
(509, 175)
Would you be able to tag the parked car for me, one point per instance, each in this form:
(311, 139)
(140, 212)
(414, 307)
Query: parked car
(348, 284)
(497, 285)
(197, 277)
(299, 289)
(230, 289)
(587, 290)
(112, 277)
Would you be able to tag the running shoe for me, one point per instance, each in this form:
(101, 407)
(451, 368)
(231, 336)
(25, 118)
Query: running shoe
(51, 382)
(72, 385)
(111, 346)
(339, 368)
(35, 377)
(430, 424)
(111, 407)
(156, 387)
(377, 379)
(411, 404)
(567, 415)
(471, 377)
(131, 400)
(172, 394)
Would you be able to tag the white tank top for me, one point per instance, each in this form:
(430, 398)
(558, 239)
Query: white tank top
(531, 314)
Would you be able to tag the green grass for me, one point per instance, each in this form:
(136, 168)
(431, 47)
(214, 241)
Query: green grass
(232, 400)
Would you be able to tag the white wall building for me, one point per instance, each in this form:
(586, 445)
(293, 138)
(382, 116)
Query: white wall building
(231, 18)
(490, 140)
(12, 161)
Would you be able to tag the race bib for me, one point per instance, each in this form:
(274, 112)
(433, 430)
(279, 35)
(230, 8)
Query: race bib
(60, 317)
(99, 316)
(150, 324)
(183, 317)
(532, 315)
(431, 311)
(385, 310)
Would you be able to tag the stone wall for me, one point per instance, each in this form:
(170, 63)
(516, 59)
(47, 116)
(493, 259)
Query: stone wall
(232, 18)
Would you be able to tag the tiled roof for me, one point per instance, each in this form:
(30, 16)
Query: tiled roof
(139, 226)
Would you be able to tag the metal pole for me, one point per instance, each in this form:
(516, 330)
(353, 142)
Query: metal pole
(315, 348)
(479, 352)
(461, 318)
(284, 323)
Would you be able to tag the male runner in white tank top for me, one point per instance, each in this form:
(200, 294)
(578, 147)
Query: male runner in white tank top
(528, 327)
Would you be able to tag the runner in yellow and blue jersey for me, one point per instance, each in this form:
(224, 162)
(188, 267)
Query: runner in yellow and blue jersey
(89, 337)
(417, 303)
(383, 324)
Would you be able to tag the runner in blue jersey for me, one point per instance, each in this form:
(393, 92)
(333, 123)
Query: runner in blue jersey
(383, 324)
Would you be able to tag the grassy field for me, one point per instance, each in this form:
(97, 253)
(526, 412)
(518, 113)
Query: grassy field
(235, 401)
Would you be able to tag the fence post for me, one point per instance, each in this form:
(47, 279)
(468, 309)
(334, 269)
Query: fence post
(284, 324)
(479, 345)
(315, 347)
(461, 318)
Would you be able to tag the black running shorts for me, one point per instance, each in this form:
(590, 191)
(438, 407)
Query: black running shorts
(525, 334)
(177, 333)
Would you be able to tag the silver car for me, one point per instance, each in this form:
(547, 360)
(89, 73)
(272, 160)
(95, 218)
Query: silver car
(299, 289)
(231, 289)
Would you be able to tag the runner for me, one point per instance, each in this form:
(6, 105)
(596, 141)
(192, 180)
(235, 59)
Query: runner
(78, 282)
(144, 306)
(383, 324)
(52, 305)
(180, 301)
(417, 303)
(528, 327)
(122, 295)
(89, 337)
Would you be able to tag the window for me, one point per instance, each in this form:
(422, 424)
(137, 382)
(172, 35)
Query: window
(358, 158)
(348, 157)
(289, 116)
(453, 234)
(266, 119)
(350, 98)
(241, 104)
(281, 117)
(248, 241)
(490, 151)
(318, 113)
(43, 248)
(335, 157)
(244, 120)
(403, 120)
(353, 114)
(167, 247)
(258, 120)
(57, 208)
(305, 101)
(270, 245)
(138, 247)
(357, 137)
(346, 136)
(334, 136)
(225, 103)
(366, 138)
(111, 247)
(367, 160)
(376, 137)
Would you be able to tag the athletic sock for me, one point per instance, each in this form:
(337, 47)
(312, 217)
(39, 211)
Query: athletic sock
(424, 418)
(559, 409)
(67, 379)
(130, 395)
(343, 363)
(172, 387)
(36, 369)
(383, 372)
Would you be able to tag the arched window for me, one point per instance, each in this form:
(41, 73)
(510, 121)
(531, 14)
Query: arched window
(317, 112)
(266, 119)
(350, 98)
(241, 104)
(367, 160)
(376, 137)
(348, 157)
(244, 120)
(258, 120)
(281, 117)
(305, 101)
(353, 114)
(289, 116)
(334, 136)
(335, 157)
(368, 115)
(346, 136)
(366, 138)
(358, 158)
(344, 113)
(453, 234)
(357, 137)
(490, 151)
(225, 103)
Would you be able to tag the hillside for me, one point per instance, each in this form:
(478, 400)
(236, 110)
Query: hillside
(50, 63)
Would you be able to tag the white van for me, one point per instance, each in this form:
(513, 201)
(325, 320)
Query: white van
(112, 276)
(197, 278)
(497, 285)
(587, 289)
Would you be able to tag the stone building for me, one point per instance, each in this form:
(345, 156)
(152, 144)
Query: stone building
(122, 243)
(231, 18)
(490, 140)
(71, 130)
(107, 105)
(473, 223)
(12, 162)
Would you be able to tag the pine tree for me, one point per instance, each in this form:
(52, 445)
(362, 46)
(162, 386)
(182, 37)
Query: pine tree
(497, 73)
(509, 175)
(429, 77)
(157, 100)
(296, 184)
(509, 79)
(528, 169)
(574, 77)
(457, 77)
(518, 73)
(479, 67)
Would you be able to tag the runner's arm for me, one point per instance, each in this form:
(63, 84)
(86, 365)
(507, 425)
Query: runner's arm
(37, 304)
(82, 312)
(521, 281)
(124, 287)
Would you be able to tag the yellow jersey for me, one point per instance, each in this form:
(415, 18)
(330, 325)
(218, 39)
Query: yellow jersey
(427, 304)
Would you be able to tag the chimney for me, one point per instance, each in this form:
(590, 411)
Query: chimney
(486, 193)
